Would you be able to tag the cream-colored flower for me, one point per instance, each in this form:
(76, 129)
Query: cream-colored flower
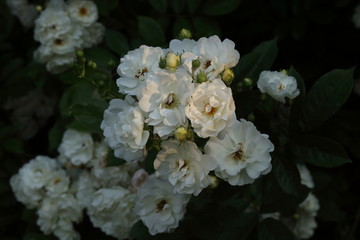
(158, 207)
(278, 85)
(184, 166)
(211, 108)
(242, 155)
(83, 12)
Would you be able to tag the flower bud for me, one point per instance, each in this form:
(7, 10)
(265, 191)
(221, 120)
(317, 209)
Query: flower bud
(172, 60)
(214, 182)
(284, 72)
(248, 82)
(79, 53)
(38, 8)
(185, 33)
(227, 76)
(181, 133)
(196, 63)
(201, 77)
(251, 117)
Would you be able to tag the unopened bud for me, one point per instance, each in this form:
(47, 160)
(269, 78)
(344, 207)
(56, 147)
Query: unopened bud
(251, 117)
(172, 60)
(181, 133)
(111, 63)
(248, 82)
(284, 71)
(227, 76)
(263, 96)
(79, 53)
(214, 181)
(185, 33)
(201, 77)
(196, 63)
(38, 8)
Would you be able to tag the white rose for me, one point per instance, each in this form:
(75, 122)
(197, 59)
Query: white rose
(123, 128)
(211, 108)
(83, 12)
(77, 146)
(242, 155)
(278, 85)
(164, 98)
(158, 207)
(92, 35)
(134, 68)
(51, 24)
(216, 55)
(112, 211)
(58, 183)
(30, 197)
(184, 166)
(305, 176)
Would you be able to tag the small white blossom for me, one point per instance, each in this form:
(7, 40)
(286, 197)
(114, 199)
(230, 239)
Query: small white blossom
(216, 55)
(28, 196)
(211, 108)
(278, 85)
(242, 155)
(303, 223)
(164, 97)
(158, 207)
(83, 12)
(112, 211)
(24, 11)
(123, 128)
(138, 179)
(58, 183)
(305, 176)
(86, 185)
(57, 215)
(76, 146)
(93, 35)
(184, 166)
(135, 67)
(51, 24)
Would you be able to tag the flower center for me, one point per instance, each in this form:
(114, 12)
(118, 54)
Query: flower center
(170, 101)
(57, 180)
(83, 11)
(281, 87)
(160, 206)
(239, 154)
(207, 64)
(210, 110)
(59, 42)
(141, 73)
(181, 164)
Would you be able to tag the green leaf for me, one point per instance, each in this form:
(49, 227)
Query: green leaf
(240, 228)
(325, 98)
(117, 42)
(287, 175)
(75, 94)
(149, 160)
(159, 5)
(101, 56)
(319, 151)
(69, 77)
(178, 5)
(55, 135)
(258, 60)
(220, 7)
(13, 145)
(271, 229)
(205, 27)
(151, 31)
(193, 5)
(140, 232)
(112, 161)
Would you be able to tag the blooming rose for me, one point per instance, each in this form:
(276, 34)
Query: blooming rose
(184, 166)
(135, 67)
(242, 155)
(164, 97)
(211, 108)
(83, 12)
(278, 85)
(123, 128)
(158, 207)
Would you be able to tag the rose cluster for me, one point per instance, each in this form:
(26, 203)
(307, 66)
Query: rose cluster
(64, 27)
(174, 98)
(177, 104)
